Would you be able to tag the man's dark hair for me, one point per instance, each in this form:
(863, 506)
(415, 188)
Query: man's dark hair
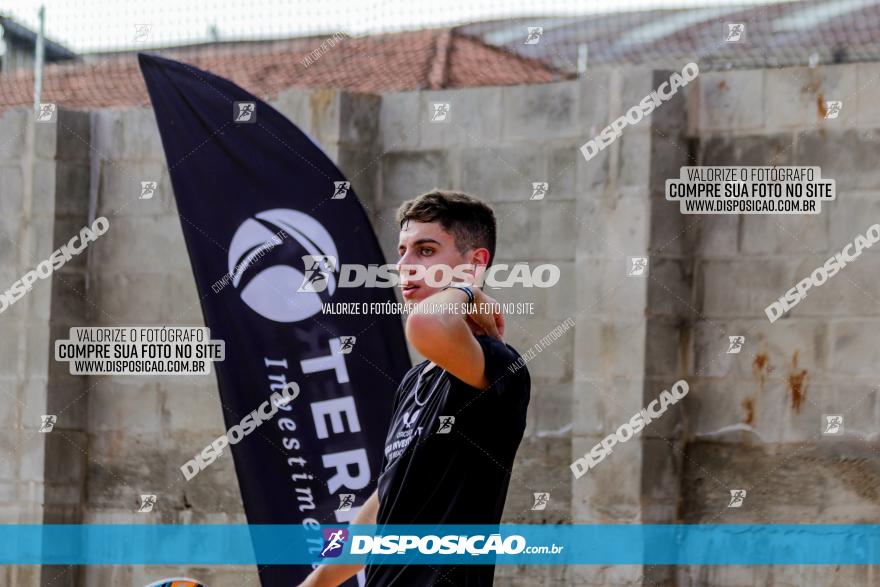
(470, 221)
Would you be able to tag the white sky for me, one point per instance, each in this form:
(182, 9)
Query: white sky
(88, 25)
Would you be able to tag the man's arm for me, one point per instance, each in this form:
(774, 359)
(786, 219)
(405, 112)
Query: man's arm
(448, 340)
(333, 575)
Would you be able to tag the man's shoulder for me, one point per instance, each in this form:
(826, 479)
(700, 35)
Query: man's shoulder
(504, 364)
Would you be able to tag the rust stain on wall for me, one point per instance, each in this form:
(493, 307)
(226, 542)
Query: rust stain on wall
(749, 405)
(797, 383)
(820, 106)
(761, 367)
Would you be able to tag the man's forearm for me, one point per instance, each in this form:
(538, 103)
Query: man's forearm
(333, 575)
(446, 298)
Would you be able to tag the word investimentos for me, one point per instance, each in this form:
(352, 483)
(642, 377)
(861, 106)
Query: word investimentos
(629, 429)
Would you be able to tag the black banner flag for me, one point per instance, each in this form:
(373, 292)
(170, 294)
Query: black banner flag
(268, 219)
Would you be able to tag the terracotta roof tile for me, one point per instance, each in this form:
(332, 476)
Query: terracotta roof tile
(426, 59)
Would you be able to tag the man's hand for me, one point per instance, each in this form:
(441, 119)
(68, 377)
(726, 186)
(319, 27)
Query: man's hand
(333, 575)
(489, 322)
(448, 340)
(481, 322)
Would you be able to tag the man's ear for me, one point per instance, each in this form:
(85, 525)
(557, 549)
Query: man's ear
(479, 256)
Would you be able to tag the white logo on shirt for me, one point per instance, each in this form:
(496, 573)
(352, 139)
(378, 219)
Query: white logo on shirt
(409, 420)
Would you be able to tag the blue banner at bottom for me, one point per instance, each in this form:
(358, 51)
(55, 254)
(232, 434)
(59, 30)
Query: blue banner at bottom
(718, 544)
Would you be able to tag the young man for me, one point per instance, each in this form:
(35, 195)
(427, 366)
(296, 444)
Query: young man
(437, 470)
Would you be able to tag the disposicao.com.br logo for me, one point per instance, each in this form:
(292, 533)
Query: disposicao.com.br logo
(430, 544)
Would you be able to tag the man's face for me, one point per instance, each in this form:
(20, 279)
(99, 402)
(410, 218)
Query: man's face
(426, 244)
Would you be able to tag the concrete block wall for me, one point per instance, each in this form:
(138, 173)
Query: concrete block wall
(750, 421)
(44, 192)
(754, 418)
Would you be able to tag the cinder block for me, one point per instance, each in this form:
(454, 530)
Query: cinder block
(731, 101)
(867, 76)
(541, 466)
(74, 199)
(731, 288)
(13, 129)
(606, 349)
(558, 229)
(18, 310)
(478, 117)
(438, 130)
(660, 483)
(615, 227)
(595, 96)
(139, 135)
(74, 136)
(562, 297)
(717, 235)
(193, 407)
(71, 300)
(359, 119)
(540, 111)
(126, 408)
(11, 206)
(632, 167)
(513, 170)
(851, 292)
(120, 189)
(671, 117)
(400, 121)
(37, 350)
(66, 397)
(766, 150)
(786, 233)
(158, 237)
(670, 287)
(324, 109)
(180, 299)
(10, 354)
(513, 221)
(408, 174)
(603, 402)
(474, 119)
(126, 135)
(831, 480)
(361, 168)
(25, 575)
(858, 402)
(65, 461)
(670, 151)
(293, 103)
(667, 349)
(635, 84)
(604, 289)
(564, 159)
(552, 405)
(553, 362)
(45, 140)
(767, 351)
(796, 96)
(609, 493)
(387, 232)
(129, 298)
(673, 234)
(852, 352)
(849, 157)
(850, 215)
(113, 575)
